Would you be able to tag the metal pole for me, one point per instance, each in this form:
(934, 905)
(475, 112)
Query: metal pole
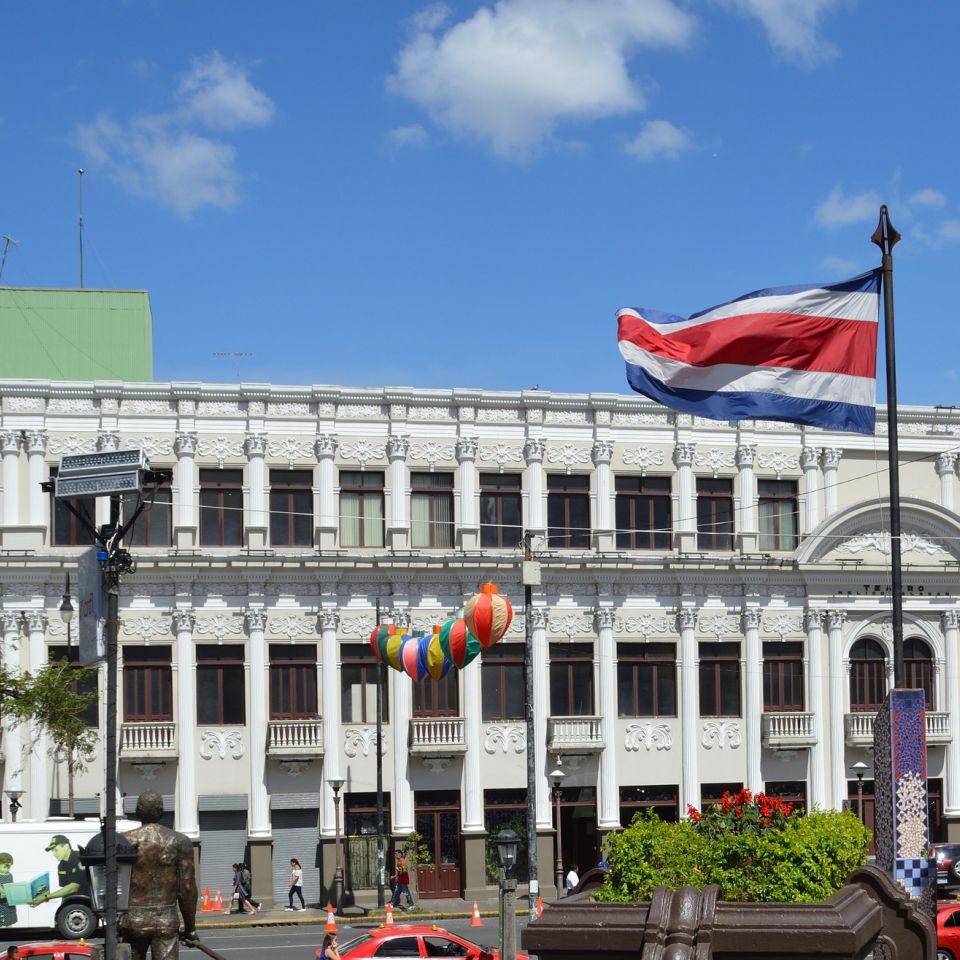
(860, 796)
(558, 867)
(80, 225)
(885, 237)
(533, 884)
(112, 584)
(381, 898)
(338, 869)
(508, 909)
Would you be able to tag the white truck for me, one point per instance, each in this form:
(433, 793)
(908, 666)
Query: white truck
(43, 885)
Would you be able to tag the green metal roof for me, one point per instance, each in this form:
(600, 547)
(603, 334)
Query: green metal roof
(75, 334)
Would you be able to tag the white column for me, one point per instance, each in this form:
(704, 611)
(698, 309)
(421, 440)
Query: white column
(255, 447)
(10, 446)
(747, 521)
(946, 464)
(533, 454)
(950, 623)
(469, 524)
(541, 710)
(330, 708)
(185, 447)
(473, 723)
(609, 799)
(401, 712)
(13, 765)
(831, 464)
(689, 707)
(326, 448)
(809, 458)
(397, 447)
(186, 695)
(36, 498)
(838, 699)
(259, 818)
(602, 454)
(686, 519)
(38, 792)
(819, 779)
(753, 670)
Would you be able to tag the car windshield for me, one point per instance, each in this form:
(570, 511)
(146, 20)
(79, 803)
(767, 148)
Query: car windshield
(353, 943)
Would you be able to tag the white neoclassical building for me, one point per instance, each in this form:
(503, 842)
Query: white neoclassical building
(713, 612)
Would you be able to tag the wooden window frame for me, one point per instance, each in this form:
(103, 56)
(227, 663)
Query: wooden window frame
(216, 491)
(634, 532)
(782, 541)
(711, 496)
(777, 657)
(226, 685)
(497, 489)
(136, 665)
(712, 657)
(656, 658)
(283, 503)
(293, 676)
(568, 494)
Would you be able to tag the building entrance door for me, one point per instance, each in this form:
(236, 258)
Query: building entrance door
(438, 823)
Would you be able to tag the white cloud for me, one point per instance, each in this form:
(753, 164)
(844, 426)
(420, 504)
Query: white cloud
(837, 266)
(509, 74)
(168, 157)
(950, 231)
(659, 139)
(928, 197)
(792, 26)
(839, 210)
(411, 136)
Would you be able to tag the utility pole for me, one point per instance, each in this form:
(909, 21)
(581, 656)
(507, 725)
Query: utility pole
(531, 578)
(80, 172)
(7, 240)
(381, 895)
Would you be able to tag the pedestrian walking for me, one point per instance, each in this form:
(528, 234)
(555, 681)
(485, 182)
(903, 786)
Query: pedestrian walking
(330, 949)
(296, 884)
(247, 879)
(401, 882)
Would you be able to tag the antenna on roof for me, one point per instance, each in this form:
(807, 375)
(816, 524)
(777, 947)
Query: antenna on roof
(80, 172)
(6, 246)
(236, 356)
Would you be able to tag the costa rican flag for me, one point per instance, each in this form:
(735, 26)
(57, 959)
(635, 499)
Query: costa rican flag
(805, 354)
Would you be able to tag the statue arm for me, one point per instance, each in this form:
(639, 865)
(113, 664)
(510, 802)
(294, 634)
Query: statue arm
(187, 893)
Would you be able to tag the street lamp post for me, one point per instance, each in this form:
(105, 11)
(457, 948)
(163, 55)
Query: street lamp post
(336, 783)
(66, 610)
(15, 804)
(860, 768)
(507, 843)
(556, 780)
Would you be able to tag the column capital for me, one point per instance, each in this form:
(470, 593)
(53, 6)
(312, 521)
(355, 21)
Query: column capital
(946, 463)
(750, 618)
(686, 618)
(538, 618)
(950, 619)
(397, 446)
(533, 450)
(36, 441)
(683, 454)
(466, 448)
(329, 619)
(835, 618)
(36, 621)
(745, 455)
(602, 451)
(185, 444)
(604, 617)
(831, 457)
(108, 441)
(326, 445)
(183, 619)
(400, 615)
(9, 622)
(10, 441)
(255, 445)
(809, 457)
(256, 618)
(813, 620)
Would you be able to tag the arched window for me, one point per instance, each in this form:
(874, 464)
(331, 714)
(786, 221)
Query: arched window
(868, 676)
(918, 668)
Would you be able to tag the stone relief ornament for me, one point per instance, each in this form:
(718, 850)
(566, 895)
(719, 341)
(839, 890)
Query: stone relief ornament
(503, 736)
(719, 626)
(432, 451)
(146, 627)
(602, 451)
(498, 415)
(534, 415)
(219, 626)
(220, 449)
(145, 407)
(185, 445)
(569, 455)
(219, 742)
(360, 411)
(501, 454)
(566, 416)
(715, 460)
(326, 445)
(357, 626)
(24, 404)
(641, 419)
(398, 411)
(293, 768)
(778, 461)
(429, 413)
(363, 451)
(35, 441)
(291, 627)
(466, 448)
(466, 413)
(880, 542)
(436, 765)
(153, 447)
(326, 410)
(570, 624)
(73, 444)
(650, 735)
(720, 733)
(643, 457)
(362, 740)
(218, 408)
(291, 449)
(782, 624)
(646, 624)
(288, 409)
(61, 405)
(398, 446)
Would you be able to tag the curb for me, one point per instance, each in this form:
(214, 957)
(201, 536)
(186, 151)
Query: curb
(369, 920)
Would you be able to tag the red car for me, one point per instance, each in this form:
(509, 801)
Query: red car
(414, 940)
(56, 950)
(948, 930)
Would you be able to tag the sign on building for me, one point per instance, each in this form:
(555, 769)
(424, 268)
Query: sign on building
(93, 644)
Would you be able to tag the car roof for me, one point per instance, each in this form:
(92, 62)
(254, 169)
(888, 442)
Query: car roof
(407, 929)
(55, 946)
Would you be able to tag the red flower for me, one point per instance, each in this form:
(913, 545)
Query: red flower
(693, 813)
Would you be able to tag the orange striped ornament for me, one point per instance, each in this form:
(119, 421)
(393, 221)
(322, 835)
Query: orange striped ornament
(488, 615)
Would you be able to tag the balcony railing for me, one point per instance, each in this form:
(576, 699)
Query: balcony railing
(858, 728)
(581, 734)
(149, 739)
(438, 735)
(786, 731)
(295, 738)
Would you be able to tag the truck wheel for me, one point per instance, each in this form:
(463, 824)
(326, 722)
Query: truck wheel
(76, 921)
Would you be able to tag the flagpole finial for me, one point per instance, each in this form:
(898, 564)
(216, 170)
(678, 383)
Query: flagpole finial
(885, 236)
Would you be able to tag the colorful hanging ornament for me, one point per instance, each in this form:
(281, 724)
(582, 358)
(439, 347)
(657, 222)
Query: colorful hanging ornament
(379, 637)
(459, 645)
(488, 615)
(410, 659)
(438, 664)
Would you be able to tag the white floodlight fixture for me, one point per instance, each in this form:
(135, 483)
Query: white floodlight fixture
(100, 474)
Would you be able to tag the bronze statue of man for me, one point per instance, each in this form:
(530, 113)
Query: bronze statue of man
(163, 878)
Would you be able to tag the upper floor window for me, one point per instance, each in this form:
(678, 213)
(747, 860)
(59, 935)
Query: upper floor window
(361, 508)
(643, 513)
(500, 511)
(501, 680)
(568, 511)
(646, 680)
(293, 681)
(147, 684)
(714, 513)
(154, 526)
(437, 698)
(868, 675)
(291, 508)
(91, 715)
(358, 685)
(221, 508)
(777, 508)
(720, 679)
(918, 668)
(782, 676)
(571, 680)
(431, 510)
(68, 529)
(221, 695)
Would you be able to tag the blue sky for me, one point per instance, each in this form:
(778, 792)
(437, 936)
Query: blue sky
(362, 192)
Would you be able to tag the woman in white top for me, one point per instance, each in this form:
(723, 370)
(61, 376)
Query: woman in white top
(296, 884)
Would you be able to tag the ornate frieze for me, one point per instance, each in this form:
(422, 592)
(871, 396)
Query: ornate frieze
(715, 460)
(362, 451)
(72, 444)
(291, 626)
(879, 541)
(652, 736)
(218, 626)
(721, 734)
(568, 454)
(220, 742)
(777, 461)
(432, 452)
(646, 625)
(501, 454)
(643, 457)
(359, 741)
(291, 449)
(504, 736)
(782, 624)
(220, 449)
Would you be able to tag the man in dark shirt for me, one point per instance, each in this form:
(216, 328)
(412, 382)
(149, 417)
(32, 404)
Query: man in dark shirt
(71, 876)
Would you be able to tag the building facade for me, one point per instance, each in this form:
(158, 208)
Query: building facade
(713, 612)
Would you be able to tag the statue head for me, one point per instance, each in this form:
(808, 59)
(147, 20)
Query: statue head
(149, 806)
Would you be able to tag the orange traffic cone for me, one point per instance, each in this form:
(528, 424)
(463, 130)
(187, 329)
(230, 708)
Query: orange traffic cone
(539, 907)
(389, 921)
(207, 903)
(218, 902)
(331, 926)
(475, 920)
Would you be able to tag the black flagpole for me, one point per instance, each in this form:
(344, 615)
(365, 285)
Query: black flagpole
(885, 237)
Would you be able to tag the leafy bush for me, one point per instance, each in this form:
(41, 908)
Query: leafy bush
(753, 848)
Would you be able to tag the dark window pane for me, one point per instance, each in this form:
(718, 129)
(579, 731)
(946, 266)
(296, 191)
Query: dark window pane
(714, 514)
(154, 526)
